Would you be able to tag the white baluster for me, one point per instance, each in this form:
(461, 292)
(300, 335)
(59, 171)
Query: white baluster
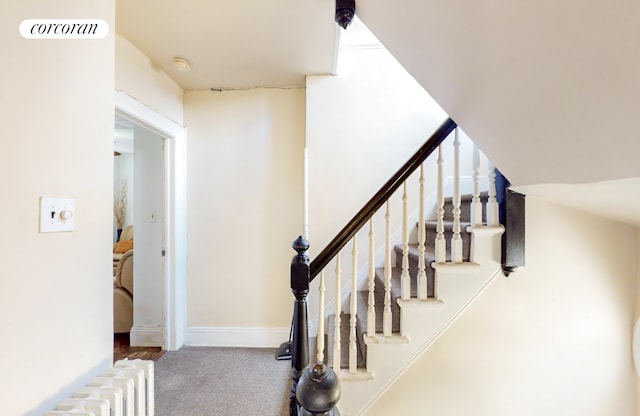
(371, 310)
(386, 316)
(338, 309)
(405, 279)
(353, 341)
(476, 203)
(493, 218)
(320, 342)
(440, 244)
(456, 239)
(422, 275)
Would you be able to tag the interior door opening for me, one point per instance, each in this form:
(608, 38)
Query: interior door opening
(139, 184)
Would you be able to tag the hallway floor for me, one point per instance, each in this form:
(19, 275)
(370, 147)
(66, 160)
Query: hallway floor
(122, 349)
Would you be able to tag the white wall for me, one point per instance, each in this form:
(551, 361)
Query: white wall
(140, 78)
(553, 339)
(362, 125)
(148, 278)
(244, 204)
(55, 295)
(143, 80)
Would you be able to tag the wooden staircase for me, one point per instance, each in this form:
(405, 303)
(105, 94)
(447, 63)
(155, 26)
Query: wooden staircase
(395, 312)
(416, 324)
(396, 272)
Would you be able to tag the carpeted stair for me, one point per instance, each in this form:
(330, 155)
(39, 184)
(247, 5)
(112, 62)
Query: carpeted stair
(363, 296)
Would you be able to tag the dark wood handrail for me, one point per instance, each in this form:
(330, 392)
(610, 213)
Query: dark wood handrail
(367, 211)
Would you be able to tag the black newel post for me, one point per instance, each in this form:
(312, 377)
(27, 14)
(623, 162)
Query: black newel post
(319, 391)
(315, 391)
(300, 338)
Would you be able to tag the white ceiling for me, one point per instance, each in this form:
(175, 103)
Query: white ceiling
(234, 44)
(549, 90)
(123, 135)
(618, 200)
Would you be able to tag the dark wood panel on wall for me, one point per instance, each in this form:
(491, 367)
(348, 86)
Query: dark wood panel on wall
(513, 247)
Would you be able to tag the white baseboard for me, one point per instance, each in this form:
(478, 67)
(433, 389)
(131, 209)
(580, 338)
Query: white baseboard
(146, 336)
(236, 337)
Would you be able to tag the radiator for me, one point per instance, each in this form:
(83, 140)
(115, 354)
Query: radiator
(97, 406)
(111, 394)
(127, 389)
(125, 385)
(147, 367)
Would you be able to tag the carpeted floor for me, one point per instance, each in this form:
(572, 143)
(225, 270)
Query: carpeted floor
(204, 381)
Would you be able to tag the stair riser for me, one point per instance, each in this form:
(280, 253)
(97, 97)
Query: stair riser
(465, 209)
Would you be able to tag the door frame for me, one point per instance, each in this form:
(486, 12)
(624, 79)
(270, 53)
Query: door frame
(174, 276)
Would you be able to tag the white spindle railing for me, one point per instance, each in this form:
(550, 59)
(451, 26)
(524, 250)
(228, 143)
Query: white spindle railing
(421, 280)
(320, 339)
(386, 315)
(405, 279)
(337, 318)
(456, 238)
(371, 309)
(422, 234)
(441, 244)
(353, 341)
(476, 203)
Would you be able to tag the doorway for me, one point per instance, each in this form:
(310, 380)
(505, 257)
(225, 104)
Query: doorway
(160, 226)
(139, 188)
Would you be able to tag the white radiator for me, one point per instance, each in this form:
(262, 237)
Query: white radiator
(147, 367)
(96, 406)
(111, 394)
(127, 389)
(125, 385)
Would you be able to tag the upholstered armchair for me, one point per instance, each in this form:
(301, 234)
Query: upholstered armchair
(124, 244)
(123, 294)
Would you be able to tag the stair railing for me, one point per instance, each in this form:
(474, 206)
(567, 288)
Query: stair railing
(380, 198)
(305, 272)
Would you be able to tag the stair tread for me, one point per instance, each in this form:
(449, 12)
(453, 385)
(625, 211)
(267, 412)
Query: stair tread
(396, 273)
(345, 329)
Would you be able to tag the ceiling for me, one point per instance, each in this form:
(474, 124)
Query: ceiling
(550, 91)
(618, 200)
(234, 44)
(123, 135)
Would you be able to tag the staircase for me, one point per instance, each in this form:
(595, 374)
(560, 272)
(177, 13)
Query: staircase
(396, 272)
(401, 309)
(416, 324)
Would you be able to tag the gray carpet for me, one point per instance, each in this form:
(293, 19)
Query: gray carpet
(199, 381)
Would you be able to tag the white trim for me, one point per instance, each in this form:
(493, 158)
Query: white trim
(235, 337)
(336, 50)
(305, 191)
(146, 336)
(174, 305)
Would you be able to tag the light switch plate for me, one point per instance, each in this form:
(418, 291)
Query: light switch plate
(57, 214)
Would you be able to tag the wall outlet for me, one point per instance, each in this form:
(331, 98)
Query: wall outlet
(57, 214)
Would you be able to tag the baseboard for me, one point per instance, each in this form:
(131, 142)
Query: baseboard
(236, 337)
(146, 336)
